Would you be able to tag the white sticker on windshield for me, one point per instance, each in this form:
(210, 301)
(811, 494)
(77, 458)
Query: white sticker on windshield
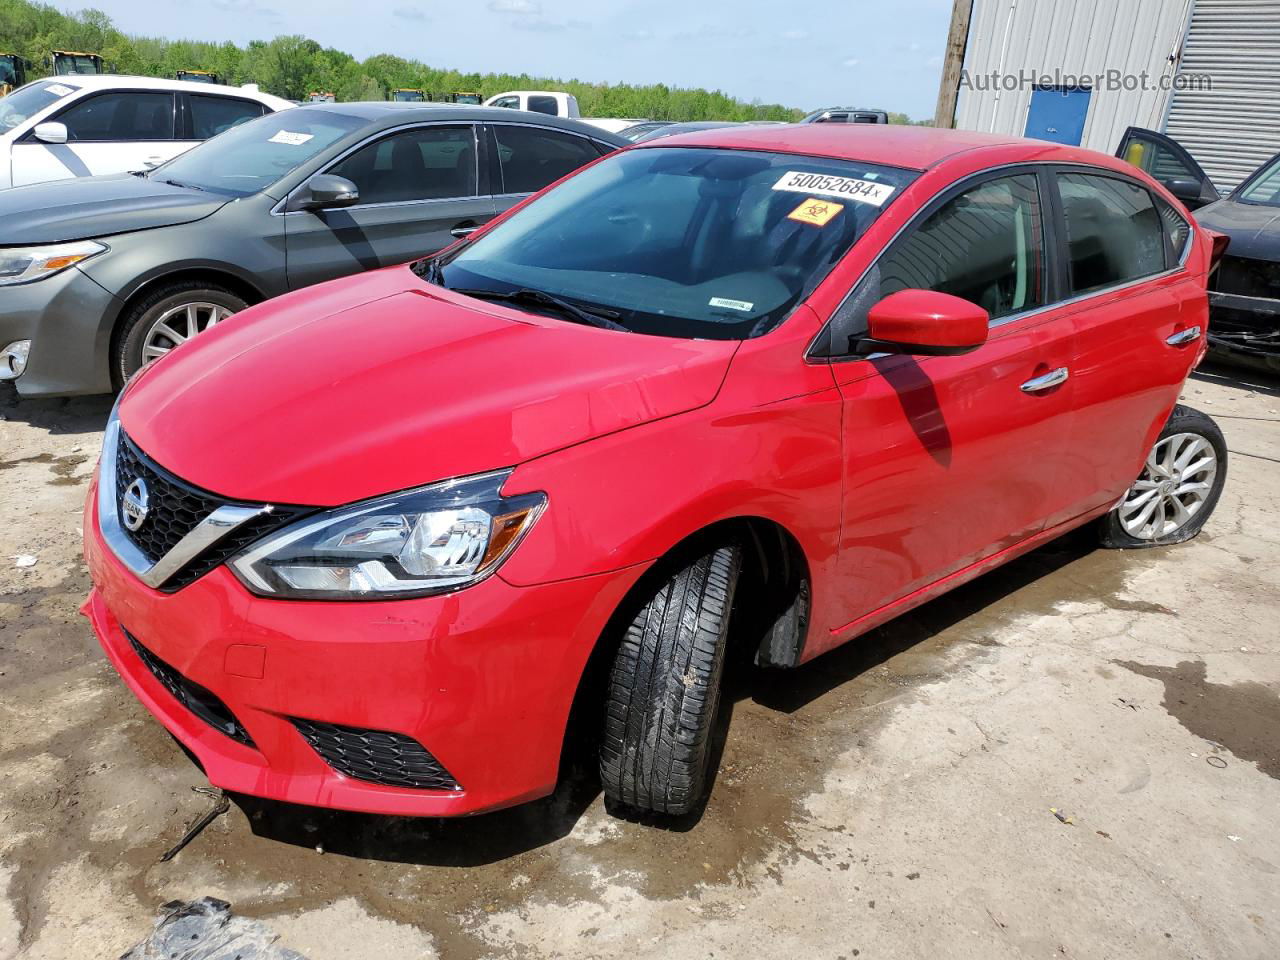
(730, 304)
(849, 188)
(60, 89)
(292, 139)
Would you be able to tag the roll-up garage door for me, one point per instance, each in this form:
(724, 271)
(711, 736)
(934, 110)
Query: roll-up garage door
(1233, 127)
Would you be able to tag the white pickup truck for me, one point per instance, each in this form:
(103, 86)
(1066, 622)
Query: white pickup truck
(556, 104)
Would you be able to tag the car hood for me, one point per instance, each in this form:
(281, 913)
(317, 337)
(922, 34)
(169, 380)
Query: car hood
(97, 207)
(1254, 229)
(379, 383)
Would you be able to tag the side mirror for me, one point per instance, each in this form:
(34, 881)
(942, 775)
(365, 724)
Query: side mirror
(325, 191)
(51, 132)
(1185, 189)
(924, 323)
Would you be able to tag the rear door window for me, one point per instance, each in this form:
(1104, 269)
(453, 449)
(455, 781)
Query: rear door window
(1114, 232)
(530, 158)
(985, 245)
(119, 117)
(211, 116)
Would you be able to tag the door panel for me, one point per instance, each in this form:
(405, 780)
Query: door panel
(115, 132)
(419, 191)
(1127, 376)
(1166, 160)
(949, 460)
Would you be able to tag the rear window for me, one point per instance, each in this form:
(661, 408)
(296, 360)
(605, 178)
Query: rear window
(25, 102)
(685, 242)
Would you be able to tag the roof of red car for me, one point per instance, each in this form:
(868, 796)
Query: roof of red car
(893, 145)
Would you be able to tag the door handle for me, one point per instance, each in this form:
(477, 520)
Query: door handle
(1046, 382)
(464, 230)
(1182, 338)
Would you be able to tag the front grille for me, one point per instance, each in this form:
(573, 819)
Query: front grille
(203, 703)
(176, 508)
(1247, 278)
(376, 756)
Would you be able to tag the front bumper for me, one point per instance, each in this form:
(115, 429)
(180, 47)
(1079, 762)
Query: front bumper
(483, 679)
(67, 318)
(1245, 329)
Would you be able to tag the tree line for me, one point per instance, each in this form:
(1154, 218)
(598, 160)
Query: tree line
(294, 66)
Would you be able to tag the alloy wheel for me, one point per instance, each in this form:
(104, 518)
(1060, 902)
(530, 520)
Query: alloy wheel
(1175, 484)
(178, 325)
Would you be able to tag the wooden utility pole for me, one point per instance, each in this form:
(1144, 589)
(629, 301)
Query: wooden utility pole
(953, 63)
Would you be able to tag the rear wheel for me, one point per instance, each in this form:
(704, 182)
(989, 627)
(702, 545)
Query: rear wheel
(664, 689)
(1178, 489)
(167, 318)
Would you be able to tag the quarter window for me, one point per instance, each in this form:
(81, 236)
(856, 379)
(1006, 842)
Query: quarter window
(120, 117)
(530, 158)
(1176, 233)
(430, 163)
(210, 116)
(985, 245)
(1114, 232)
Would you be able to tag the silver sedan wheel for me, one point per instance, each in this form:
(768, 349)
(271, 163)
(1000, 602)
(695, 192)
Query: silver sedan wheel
(1174, 486)
(178, 325)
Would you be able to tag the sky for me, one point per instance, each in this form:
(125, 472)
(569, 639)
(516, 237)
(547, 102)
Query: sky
(810, 54)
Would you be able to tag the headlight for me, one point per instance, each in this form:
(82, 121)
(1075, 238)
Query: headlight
(429, 540)
(25, 264)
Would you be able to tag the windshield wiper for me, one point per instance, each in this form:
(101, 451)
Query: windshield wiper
(184, 186)
(538, 298)
(430, 271)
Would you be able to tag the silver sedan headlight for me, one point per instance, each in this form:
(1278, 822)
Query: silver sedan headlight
(27, 264)
(419, 542)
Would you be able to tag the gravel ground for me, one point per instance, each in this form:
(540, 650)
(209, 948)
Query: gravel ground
(892, 799)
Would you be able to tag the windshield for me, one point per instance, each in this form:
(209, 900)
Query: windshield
(684, 242)
(72, 64)
(248, 158)
(25, 102)
(1264, 188)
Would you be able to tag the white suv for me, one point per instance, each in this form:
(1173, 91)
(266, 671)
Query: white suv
(82, 126)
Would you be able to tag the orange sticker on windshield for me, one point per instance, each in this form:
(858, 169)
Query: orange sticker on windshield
(816, 213)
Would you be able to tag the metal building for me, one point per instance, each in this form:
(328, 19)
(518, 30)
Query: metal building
(1207, 72)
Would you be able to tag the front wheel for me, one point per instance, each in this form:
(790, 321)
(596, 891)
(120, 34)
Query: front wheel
(166, 318)
(664, 689)
(1178, 489)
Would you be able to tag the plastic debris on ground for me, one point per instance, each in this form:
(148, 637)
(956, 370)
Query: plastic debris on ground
(206, 929)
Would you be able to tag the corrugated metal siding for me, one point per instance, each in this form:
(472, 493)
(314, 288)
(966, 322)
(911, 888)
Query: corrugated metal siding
(1233, 127)
(1081, 37)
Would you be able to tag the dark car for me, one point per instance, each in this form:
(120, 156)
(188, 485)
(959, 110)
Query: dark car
(104, 274)
(1244, 292)
(691, 126)
(637, 130)
(846, 115)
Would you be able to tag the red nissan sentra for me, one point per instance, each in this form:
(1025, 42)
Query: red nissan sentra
(758, 389)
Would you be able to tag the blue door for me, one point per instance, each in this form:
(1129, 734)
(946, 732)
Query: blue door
(1058, 114)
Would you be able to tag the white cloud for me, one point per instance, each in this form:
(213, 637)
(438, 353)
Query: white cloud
(796, 35)
(246, 7)
(409, 13)
(527, 8)
(851, 62)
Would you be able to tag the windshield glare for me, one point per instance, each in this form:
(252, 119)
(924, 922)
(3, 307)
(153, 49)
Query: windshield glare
(685, 242)
(1265, 189)
(250, 157)
(25, 102)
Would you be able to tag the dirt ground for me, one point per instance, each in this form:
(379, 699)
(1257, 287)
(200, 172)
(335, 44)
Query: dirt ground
(892, 799)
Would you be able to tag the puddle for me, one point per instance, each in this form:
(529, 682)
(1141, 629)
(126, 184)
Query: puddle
(62, 468)
(1242, 717)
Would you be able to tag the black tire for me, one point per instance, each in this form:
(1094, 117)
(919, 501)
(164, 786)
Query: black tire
(1184, 420)
(127, 357)
(664, 689)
